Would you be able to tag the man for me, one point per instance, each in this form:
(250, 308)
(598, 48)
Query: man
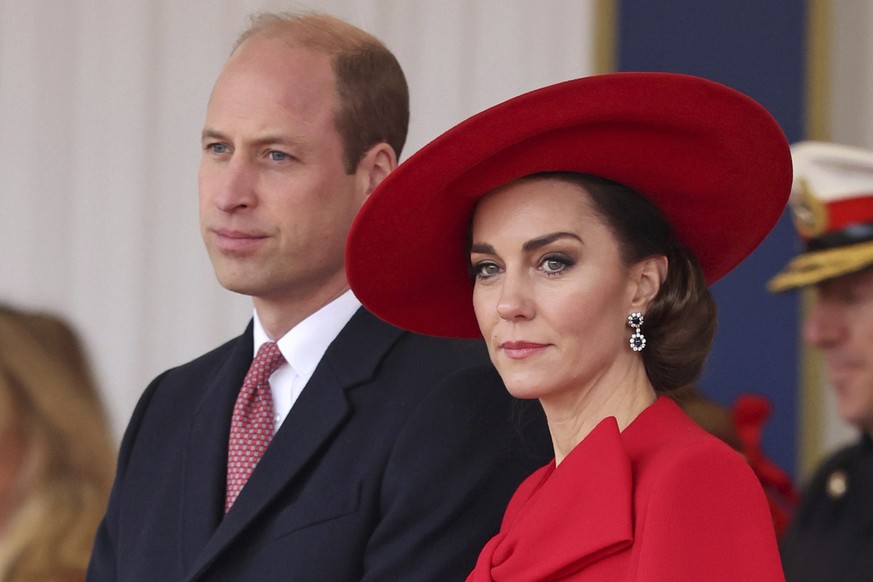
(394, 454)
(831, 537)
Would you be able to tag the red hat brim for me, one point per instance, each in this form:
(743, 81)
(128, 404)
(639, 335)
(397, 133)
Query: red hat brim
(713, 160)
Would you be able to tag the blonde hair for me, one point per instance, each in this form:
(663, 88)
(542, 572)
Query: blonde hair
(49, 401)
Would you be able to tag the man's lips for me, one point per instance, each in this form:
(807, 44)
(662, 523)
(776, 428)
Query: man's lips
(236, 240)
(842, 363)
(842, 366)
(521, 349)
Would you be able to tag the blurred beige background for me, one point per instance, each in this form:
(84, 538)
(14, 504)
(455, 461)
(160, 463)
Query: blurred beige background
(101, 107)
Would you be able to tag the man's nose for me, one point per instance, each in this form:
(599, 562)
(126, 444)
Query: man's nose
(235, 185)
(824, 325)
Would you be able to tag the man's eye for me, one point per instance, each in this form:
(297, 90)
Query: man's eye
(218, 148)
(277, 156)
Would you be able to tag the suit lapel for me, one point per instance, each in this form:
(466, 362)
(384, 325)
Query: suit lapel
(203, 486)
(320, 411)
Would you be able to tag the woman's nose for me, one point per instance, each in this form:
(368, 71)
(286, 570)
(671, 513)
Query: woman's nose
(515, 301)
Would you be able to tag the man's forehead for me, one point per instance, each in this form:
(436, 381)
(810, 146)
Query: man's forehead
(283, 48)
(284, 77)
(858, 281)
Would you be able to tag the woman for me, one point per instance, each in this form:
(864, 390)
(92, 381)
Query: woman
(57, 458)
(590, 216)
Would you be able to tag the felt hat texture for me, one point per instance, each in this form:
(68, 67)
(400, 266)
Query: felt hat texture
(713, 160)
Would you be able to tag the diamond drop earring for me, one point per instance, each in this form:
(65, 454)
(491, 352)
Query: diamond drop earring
(637, 340)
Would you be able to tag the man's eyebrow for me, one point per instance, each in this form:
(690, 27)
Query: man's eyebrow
(211, 134)
(264, 140)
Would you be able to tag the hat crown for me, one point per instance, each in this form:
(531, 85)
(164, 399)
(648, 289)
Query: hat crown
(832, 188)
(832, 206)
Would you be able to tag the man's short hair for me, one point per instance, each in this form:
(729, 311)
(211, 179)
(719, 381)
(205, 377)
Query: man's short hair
(372, 89)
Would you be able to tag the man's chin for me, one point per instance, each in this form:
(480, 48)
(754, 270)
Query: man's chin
(238, 284)
(850, 411)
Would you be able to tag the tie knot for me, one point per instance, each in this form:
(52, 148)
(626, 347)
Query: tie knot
(268, 359)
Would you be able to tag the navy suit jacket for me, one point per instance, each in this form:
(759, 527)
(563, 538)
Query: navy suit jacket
(395, 464)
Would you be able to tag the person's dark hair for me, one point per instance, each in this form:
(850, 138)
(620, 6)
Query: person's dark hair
(680, 322)
(372, 89)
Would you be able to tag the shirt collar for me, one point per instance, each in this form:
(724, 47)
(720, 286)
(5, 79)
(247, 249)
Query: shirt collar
(304, 345)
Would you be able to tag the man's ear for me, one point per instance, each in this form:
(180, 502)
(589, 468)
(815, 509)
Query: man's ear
(649, 274)
(379, 161)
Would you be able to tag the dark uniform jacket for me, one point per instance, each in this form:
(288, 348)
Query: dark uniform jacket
(831, 537)
(395, 464)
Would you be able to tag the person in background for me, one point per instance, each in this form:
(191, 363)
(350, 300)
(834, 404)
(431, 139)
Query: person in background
(350, 450)
(57, 456)
(831, 536)
(712, 417)
(576, 228)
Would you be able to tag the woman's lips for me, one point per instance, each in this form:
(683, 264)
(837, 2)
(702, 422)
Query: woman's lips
(521, 349)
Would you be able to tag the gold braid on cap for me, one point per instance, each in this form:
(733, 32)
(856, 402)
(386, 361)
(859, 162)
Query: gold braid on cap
(814, 267)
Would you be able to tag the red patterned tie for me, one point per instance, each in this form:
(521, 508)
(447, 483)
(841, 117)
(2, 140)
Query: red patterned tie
(252, 423)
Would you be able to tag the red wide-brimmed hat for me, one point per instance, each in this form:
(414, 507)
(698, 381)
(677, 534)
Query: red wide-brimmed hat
(713, 160)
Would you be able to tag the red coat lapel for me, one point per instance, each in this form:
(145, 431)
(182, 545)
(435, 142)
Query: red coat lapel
(562, 519)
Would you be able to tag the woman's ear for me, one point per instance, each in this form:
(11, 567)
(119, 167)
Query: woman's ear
(649, 274)
(379, 161)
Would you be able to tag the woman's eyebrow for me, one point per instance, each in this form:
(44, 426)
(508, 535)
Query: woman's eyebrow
(482, 248)
(531, 245)
(542, 241)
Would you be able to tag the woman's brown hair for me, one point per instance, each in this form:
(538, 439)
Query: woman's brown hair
(680, 323)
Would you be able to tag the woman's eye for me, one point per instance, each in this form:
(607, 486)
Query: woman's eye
(486, 269)
(554, 264)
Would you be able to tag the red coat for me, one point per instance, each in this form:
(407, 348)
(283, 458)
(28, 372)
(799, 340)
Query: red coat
(661, 501)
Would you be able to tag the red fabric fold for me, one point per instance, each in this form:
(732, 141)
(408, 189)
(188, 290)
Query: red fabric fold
(562, 538)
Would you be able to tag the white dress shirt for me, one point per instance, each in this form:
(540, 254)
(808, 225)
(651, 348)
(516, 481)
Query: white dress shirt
(303, 347)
